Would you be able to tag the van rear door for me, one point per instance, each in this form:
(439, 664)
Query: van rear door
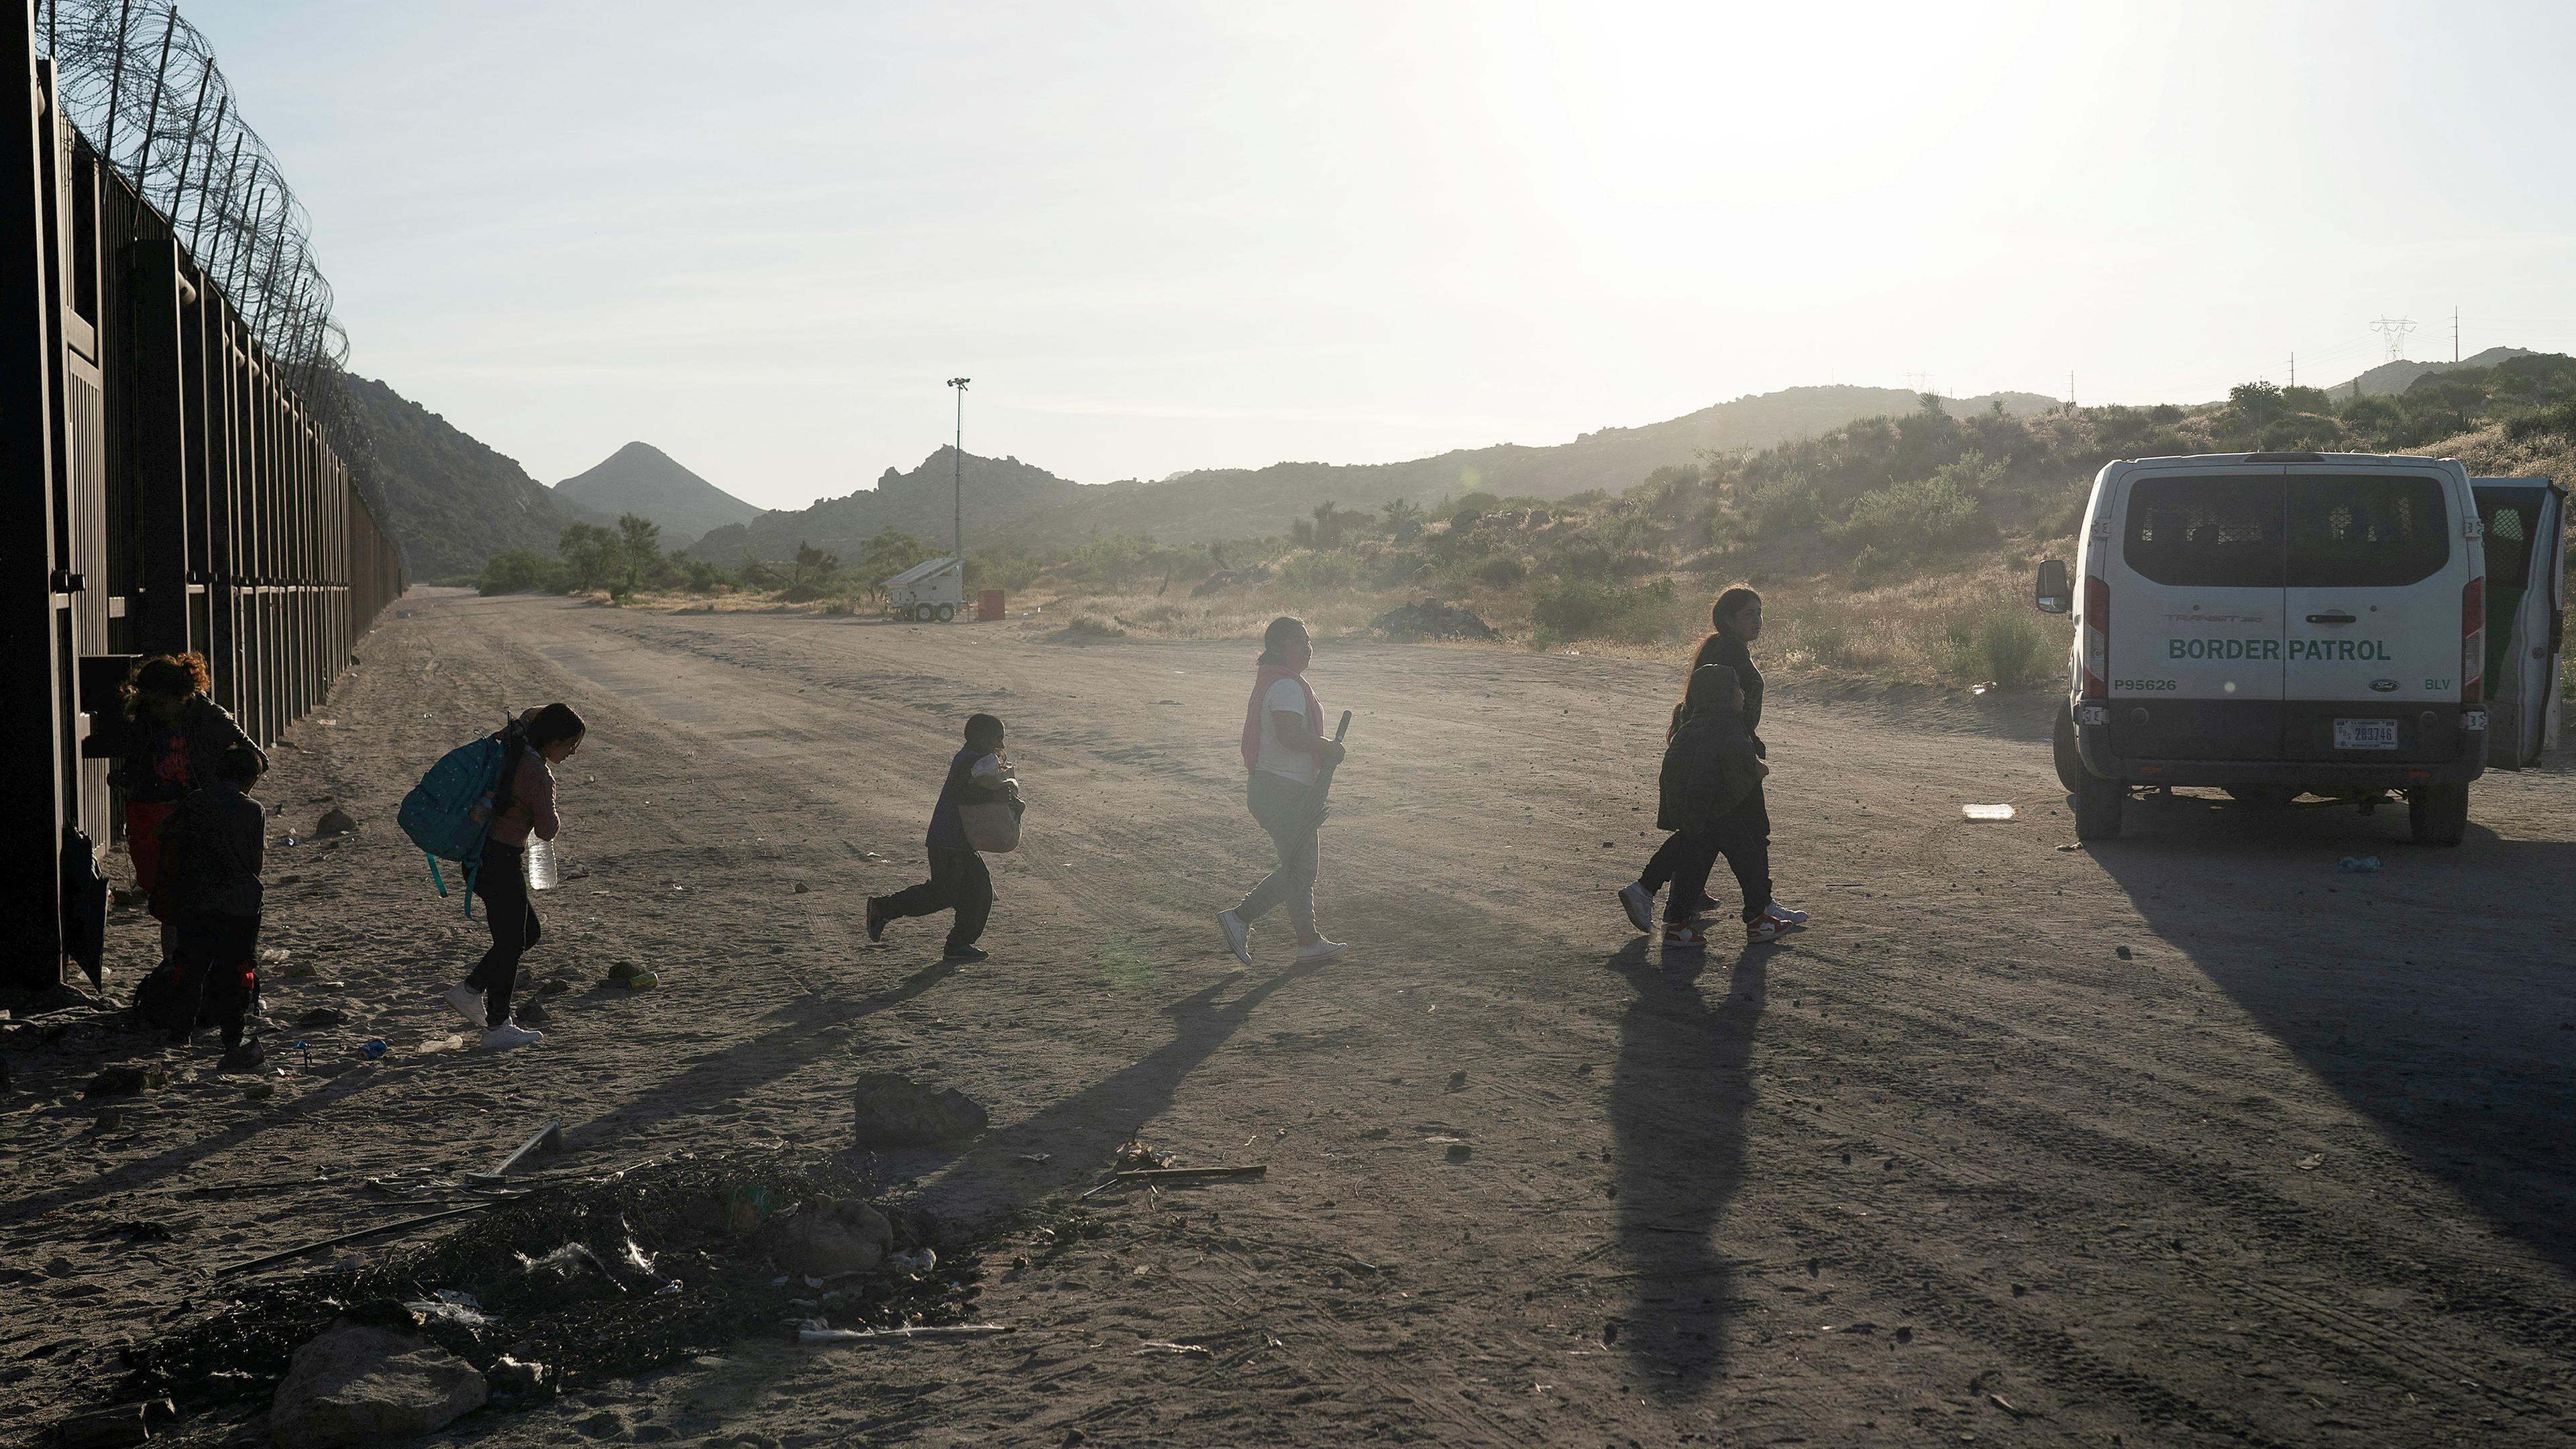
(2372, 615)
(2526, 619)
(2195, 627)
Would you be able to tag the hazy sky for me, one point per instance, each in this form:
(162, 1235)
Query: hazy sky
(1192, 235)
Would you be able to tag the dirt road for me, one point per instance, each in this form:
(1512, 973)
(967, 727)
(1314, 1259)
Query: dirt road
(2185, 1139)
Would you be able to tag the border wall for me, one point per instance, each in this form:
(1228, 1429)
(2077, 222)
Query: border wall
(164, 486)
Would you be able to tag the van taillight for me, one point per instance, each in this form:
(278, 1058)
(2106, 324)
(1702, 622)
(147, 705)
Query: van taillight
(2473, 642)
(2097, 635)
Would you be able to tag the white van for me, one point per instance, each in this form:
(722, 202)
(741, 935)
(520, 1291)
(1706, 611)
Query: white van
(2525, 521)
(2277, 624)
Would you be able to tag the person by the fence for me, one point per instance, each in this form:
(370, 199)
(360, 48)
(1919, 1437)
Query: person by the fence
(173, 733)
(212, 848)
(1284, 752)
(978, 774)
(523, 806)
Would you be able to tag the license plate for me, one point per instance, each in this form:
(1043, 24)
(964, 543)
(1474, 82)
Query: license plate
(2365, 734)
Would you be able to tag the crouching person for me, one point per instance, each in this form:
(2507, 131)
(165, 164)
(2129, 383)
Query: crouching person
(213, 845)
(979, 774)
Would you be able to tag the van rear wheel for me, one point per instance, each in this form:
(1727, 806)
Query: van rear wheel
(2439, 813)
(2061, 743)
(2098, 804)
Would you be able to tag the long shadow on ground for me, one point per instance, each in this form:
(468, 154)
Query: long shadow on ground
(2464, 1064)
(990, 1177)
(1677, 1113)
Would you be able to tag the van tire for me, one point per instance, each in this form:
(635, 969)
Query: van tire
(2098, 804)
(2061, 740)
(2439, 813)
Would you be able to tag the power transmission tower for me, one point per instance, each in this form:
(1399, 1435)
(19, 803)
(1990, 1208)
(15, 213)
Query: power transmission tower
(1914, 381)
(2070, 387)
(2294, 369)
(2393, 330)
(2455, 334)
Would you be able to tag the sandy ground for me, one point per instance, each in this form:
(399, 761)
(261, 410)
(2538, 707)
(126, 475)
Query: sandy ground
(2185, 1139)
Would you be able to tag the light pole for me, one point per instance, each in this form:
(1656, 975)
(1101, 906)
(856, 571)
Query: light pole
(959, 486)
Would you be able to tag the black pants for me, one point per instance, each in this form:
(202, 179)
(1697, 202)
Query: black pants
(959, 882)
(1743, 836)
(502, 885)
(215, 971)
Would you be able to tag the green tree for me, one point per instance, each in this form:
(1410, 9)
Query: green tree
(639, 547)
(889, 552)
(594, 557)
(2256, 402)
(811, 574)
(1403, 517)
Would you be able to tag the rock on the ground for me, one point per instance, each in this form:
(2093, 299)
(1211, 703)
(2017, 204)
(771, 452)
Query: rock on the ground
(828, 1237)
(335, 821)
(1432, 619)
(896, 1111)
(361, 1385)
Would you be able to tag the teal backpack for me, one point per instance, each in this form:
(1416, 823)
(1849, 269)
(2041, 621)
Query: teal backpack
(450, 812)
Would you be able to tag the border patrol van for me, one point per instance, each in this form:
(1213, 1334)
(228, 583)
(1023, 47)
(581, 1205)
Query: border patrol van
(2276, 624)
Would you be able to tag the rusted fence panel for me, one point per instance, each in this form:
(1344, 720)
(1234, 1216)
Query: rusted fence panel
(164, 486)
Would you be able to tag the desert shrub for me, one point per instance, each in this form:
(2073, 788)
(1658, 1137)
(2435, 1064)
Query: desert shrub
(1589, 609)
(1313, 570)
(522, 571)
(1906, 519)
(1395, 568)
(2555, 420)
(1094, 625)
(1501, 571)
(1825, 642)
(2009, 645)
(701, 577)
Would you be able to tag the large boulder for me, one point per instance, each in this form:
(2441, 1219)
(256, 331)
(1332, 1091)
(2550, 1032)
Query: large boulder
(357, 1384)
(896, 1111)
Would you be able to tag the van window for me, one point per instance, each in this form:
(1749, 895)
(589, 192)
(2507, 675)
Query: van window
(2509, 530)
(2366, 531)
(2220, 532)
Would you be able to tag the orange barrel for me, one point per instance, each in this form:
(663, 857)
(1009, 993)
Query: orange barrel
(988, 604)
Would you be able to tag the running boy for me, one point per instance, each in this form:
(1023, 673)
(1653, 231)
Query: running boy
(977, 774)
(212, 847)
(1705, 790)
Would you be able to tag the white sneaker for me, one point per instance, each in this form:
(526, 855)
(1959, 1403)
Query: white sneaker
(1784, 915)
(1238, 936)
(1321, 952)
(510, 1034)
(468, 1003)
(1639, 903)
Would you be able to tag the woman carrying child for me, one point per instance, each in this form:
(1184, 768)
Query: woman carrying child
(1735, 622)
(1285, 750)
(174, 733)
(1709, 794)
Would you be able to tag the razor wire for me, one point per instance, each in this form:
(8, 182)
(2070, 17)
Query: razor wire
(142, 85)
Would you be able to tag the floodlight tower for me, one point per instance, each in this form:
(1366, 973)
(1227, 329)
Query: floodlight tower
(958, 486)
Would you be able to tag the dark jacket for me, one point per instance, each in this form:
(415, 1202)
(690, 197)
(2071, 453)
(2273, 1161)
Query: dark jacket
(1724, 648)
(947, 831)
(1710, 768)
(212, 848)
(204, 732)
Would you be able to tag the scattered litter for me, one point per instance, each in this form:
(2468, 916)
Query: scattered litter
(2122, 952)
(1165, 1346)
(632, 976)
(449, 1305)
(334, 821)
(2008, 1406)
(1035, 1156)
(1459, 1152)
(436, 1044)
(2312, 1162)
(922, 1261)
(372, 1050)
(2066, 847)
(1987, 812)
(555, 986)
(1986, 688)
(272, 955)
(1457, 1081)
(801, 888)
(1183, 1174)
(2358, 864)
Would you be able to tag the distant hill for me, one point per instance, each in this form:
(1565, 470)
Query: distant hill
(920, 503)
(1020, 504)
(449, 502)
(2396, 377)
(640, 478)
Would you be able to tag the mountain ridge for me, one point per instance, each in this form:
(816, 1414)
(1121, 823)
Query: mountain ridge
(642, 479)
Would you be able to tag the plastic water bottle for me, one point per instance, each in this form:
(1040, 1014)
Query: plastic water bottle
(1987, 812)
(541, 865)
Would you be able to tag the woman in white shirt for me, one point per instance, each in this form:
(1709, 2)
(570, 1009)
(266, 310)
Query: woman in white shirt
(1284, 750)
